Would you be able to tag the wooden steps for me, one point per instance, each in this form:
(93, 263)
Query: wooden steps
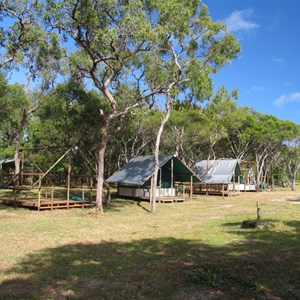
(170, 199)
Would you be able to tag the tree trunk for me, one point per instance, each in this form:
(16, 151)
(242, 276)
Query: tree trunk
(17, 161)
(156, 153)
(100, 174)
(178, 140)
(294, 184)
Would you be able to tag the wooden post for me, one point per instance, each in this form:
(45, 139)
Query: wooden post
(222, 190)
(82, 196)
(159, 188)
(68, 185)
(206, 189)
(191, 188)
(52, 196)
(39, 192)
(258, 214)
(15, 196)
(22, 166)
(172, 176)
(91, 191)
(233, 188)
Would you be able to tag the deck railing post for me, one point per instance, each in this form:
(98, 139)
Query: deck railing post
(91, 191)
(191, 188)
(159, 189)
(22, 166)
(82, 196)
(68, 185)
(172, 177)
(39, 192)
(223, 190)
(52, 196)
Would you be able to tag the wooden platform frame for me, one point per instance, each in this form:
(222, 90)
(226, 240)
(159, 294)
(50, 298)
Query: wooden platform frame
(216, 189)
(34, 195)
(44, 198)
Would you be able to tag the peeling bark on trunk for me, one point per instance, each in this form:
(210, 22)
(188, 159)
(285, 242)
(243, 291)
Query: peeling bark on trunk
(156, 154)
(100, 174)
(17, 162)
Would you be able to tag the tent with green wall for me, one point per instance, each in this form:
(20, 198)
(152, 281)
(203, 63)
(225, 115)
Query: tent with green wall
(134, 179)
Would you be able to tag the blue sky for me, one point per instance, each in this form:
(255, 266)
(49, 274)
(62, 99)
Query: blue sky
(267, 70)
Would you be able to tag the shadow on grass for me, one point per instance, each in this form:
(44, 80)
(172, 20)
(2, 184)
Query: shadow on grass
(265, 266)
(232, 224)
(118, 204)
(8, 207)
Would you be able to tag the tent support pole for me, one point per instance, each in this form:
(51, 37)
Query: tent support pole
(191, 188)
(160, 177)
(172, 177)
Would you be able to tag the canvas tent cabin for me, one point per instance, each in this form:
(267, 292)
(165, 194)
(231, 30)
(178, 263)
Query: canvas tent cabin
(222, 176)
(7, 167)
(134, 179)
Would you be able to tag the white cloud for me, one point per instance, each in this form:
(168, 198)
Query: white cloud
(278, 60)
(257, 88)
(240, 20)
(287, 98)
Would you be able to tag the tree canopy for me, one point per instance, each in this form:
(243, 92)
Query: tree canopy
(126, 78)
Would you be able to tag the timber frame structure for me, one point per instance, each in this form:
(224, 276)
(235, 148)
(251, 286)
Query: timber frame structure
(36, 190)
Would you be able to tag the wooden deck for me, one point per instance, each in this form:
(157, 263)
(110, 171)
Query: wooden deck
(222, 189)
(45, 203)
(170, 199)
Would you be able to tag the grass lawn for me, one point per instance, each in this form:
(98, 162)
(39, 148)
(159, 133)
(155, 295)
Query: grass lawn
(191, 250)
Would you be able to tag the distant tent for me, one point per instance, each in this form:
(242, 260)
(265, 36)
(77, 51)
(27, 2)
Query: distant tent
(219, 171)
(134, 179)
(8, 163)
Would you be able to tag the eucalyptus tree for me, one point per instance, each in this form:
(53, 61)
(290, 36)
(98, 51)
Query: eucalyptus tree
(138, 134)
(68, 117)
(14, 104)
(146, 45)
(193, 47)
(291, 152)
(238, 143)
(220, 115)
(185, 133)
(26, 46)
(109, 42)
(27, 50)
(267, 135)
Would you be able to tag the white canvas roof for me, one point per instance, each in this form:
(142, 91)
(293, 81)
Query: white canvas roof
(216, 171)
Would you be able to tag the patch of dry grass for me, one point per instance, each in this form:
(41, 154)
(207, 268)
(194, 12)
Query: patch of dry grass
(191, 250)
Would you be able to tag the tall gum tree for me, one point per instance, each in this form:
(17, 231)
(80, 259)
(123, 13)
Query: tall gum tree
(290, 153)
(146, 45)
(27, 48)
(192, 47)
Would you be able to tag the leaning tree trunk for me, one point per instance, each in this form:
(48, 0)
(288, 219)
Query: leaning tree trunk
(100, 173)
(156, 153)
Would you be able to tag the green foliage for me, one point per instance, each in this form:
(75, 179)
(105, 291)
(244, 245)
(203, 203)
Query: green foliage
(13, 105)
(121, 57)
